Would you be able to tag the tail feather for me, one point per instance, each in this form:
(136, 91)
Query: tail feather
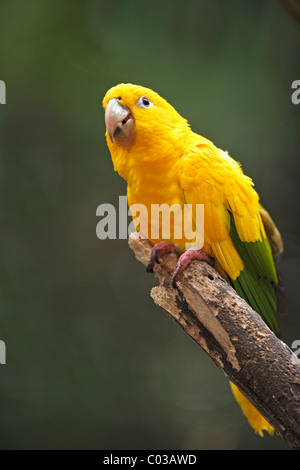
(255, 419)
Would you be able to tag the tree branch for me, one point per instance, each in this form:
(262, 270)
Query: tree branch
(235, 337)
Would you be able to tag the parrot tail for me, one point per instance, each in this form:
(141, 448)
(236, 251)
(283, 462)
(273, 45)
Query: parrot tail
(255, 419)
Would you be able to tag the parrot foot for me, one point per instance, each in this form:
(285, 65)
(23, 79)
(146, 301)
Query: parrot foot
(159, 249)
(185, 259)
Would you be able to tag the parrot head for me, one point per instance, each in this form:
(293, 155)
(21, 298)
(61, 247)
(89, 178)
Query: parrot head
(141, 126)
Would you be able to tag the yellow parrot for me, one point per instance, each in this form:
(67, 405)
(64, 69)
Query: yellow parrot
(164, 162)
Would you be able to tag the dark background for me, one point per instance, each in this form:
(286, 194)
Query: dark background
(91, 361)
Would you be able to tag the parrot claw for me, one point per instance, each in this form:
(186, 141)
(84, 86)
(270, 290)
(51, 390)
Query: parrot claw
(186, 258)
(159, 249)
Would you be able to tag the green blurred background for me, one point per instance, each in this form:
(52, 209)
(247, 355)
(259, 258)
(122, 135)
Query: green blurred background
(91, 361)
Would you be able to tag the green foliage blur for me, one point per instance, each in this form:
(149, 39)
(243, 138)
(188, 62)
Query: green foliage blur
(91, 361)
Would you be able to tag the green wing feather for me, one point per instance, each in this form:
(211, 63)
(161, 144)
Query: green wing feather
(256, 283)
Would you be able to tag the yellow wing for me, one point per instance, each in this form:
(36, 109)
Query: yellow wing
(209, 176)
(234, 232)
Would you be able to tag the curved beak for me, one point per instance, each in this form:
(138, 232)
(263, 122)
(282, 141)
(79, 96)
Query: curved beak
(119, 123)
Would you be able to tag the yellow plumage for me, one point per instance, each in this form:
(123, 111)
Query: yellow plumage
(166, 162)
(255, 419)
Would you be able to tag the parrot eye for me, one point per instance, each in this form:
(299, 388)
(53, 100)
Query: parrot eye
(144, 102)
